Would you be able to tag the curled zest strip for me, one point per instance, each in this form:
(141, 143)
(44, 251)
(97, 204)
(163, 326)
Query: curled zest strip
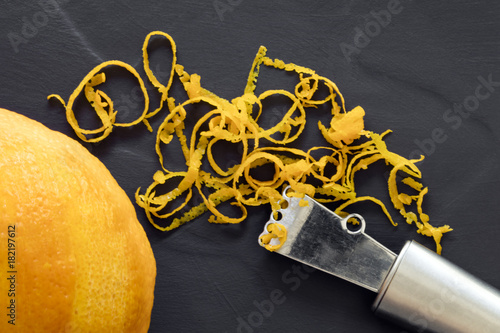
(101, 103)
(153, 204)
(162, 89)
(287, 122)
(276, 231)
(340, 208)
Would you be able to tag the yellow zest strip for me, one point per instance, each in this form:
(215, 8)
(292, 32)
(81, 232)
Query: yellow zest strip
(100, 102)
(280, 64)
(318, 166)
(163, 90)
(254, 71)
(153, 204)
(412, 183)
(276, 231)
(428, 230)
(339, 210)
(393, 190)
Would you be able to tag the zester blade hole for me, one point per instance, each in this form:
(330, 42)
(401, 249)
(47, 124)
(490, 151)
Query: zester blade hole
(355, 223)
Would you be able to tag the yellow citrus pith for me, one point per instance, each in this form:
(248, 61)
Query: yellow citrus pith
(73, 256)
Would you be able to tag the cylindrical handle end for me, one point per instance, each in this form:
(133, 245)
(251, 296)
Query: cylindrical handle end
(427, 293)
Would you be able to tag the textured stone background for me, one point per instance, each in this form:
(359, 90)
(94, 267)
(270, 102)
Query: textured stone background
(420, 68)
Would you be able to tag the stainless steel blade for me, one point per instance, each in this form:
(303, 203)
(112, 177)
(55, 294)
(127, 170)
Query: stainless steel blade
(320, 238)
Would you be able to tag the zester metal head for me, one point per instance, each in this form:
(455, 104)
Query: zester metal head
(320, 238)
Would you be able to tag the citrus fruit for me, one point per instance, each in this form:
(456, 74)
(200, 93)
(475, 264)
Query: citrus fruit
(73, 256)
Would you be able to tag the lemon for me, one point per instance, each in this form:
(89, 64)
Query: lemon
(73, 256)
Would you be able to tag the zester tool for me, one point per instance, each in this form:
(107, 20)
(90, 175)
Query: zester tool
(418, 289)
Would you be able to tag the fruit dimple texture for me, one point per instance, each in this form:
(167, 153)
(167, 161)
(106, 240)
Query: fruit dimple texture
(83, 262)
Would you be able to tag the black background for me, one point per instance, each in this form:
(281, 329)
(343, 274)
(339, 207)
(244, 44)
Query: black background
(406, 75)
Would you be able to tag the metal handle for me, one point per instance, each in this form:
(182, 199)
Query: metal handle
(427, 293)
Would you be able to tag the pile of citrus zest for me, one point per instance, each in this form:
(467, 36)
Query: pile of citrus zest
(347, 148)
(275, 231)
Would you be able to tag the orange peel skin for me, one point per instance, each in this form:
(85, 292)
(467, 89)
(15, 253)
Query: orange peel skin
(347, 148)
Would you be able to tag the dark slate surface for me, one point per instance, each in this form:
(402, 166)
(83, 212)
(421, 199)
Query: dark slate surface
(421, 73)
